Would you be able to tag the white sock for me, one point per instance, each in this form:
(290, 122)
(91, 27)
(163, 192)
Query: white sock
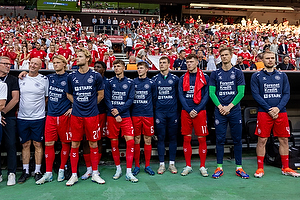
(26, 167)
(172, 162)
(74, 174)
(61, 170)
(128, 170)
(37, 168)
(50, 173)
(118, 167)
(95, 172)
(162, 163)
(89, 169)
(238, 168)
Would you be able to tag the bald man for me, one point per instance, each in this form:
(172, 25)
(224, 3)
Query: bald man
(31, 116)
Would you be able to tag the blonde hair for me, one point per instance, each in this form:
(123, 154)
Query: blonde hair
(62, 58)
(87, 54)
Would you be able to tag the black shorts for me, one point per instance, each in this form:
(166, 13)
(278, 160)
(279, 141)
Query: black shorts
(128, 49)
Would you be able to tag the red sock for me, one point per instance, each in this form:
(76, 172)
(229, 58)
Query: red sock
(94, 158)
(285, 161)
(202, 150)
(260, 162)
(50, 156)
(74, 159)
(147, 152)
(137, 153)
(129, 153)
(99, 157)
(64, 154)
(187, 150)
(87, 160)
(115, 151)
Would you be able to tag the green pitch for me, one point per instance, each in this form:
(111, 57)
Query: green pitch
(168, 186)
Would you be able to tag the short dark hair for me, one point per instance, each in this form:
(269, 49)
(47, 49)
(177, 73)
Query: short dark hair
(101, 63)
(181, 51)
(190, 56)
(142, 63)
(118, 61)
(226, 49)
(164, 58)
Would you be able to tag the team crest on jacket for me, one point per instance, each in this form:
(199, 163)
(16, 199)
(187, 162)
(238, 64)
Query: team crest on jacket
(277, 77)
(146, 86)
(63, 83)
(170, 81)
(217, 122)
(232, 76)
(157, 121)
(90, 80)
(125, 86)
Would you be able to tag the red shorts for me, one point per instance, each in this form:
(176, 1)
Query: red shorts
(265, 123)
(102, 124)
(143, 125)
(85, 125)
(57, 127)
(199, 123)
(113, 127)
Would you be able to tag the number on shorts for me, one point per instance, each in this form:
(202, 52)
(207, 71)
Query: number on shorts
(96, 133)
(69, 135)
(204, 129)
(152, 129)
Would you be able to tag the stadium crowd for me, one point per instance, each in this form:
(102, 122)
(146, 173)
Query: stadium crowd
(22, 39)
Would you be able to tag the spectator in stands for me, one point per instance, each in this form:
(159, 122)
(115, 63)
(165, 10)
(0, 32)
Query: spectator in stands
(115, 23)
(108, 23)
(202, 63)
(132, 63)
(128, 45)
(180, 63)
(286, 65)
(107, 41)
(240, 65)
(282, 49)
(101, 23)
(94, 20)
(259, 65)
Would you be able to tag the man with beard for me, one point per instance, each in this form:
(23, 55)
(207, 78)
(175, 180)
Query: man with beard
(271, 89)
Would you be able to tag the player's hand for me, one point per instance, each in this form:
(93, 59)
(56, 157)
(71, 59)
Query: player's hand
(22, 75)
(221, 109)
(114, 111)
(68, 113)
(227, 109)
(118, 118)
(273, 111)
(3, 121)
(193, 113)
(275, 117)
